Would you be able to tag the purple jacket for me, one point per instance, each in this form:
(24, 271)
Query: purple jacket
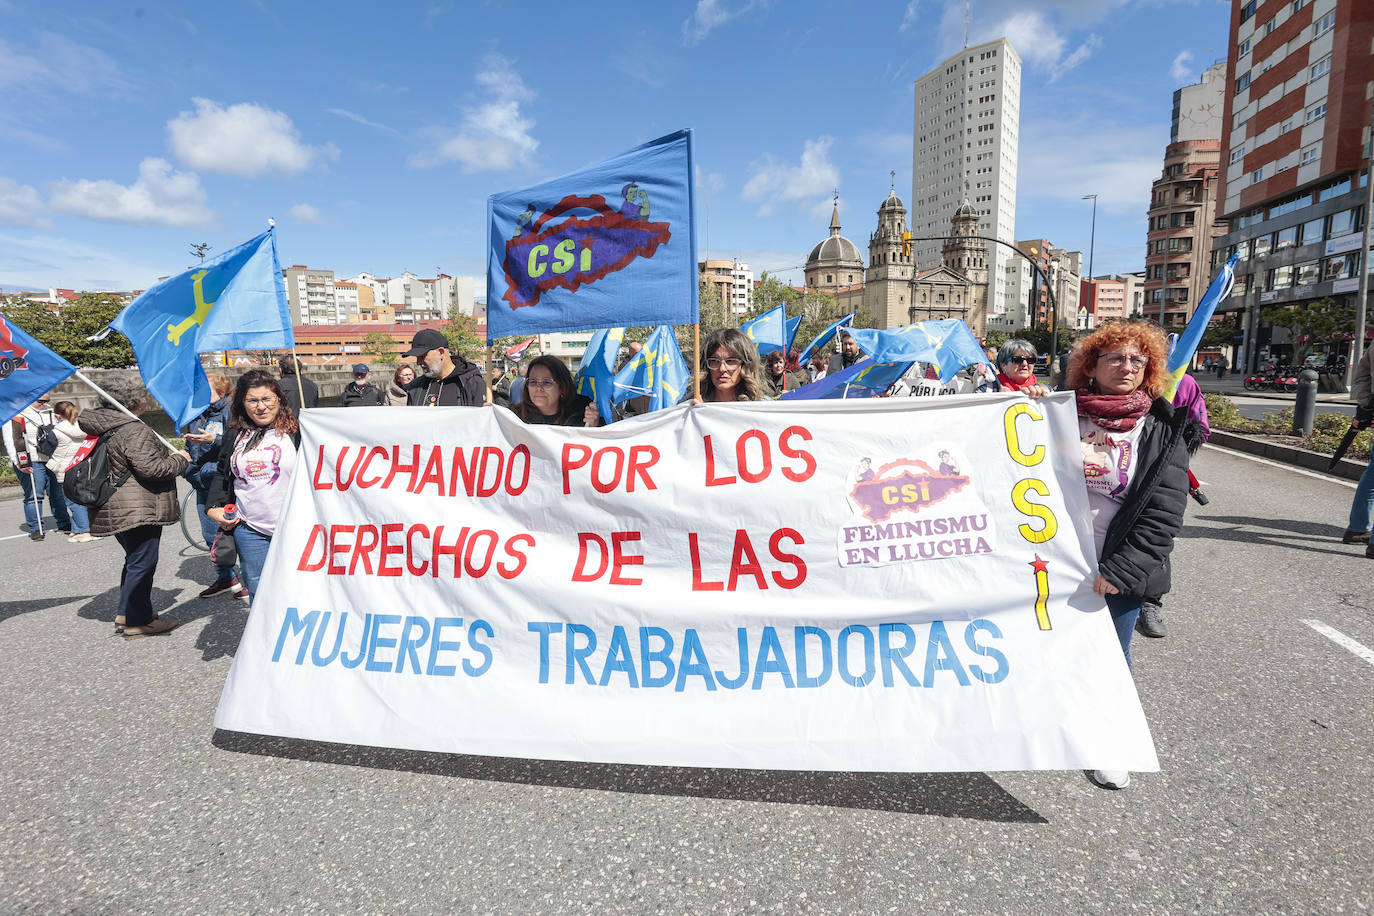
(1189, 396)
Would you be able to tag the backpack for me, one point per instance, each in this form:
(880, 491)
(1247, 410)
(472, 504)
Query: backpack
(87, 480)
(45, 437)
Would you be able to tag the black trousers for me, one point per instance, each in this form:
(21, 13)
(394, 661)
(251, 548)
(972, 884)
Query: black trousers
(141, 546)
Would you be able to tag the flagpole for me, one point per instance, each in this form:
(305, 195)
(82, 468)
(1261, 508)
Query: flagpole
(121, 408)
(296, 364)
(696, 355)
(486, 369)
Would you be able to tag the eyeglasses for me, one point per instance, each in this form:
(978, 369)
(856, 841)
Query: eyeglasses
(728, 363)
(1022, 360)
(259, 402)
(540, 382)
(1117, 360)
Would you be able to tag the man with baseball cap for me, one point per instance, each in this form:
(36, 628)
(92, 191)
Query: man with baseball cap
(447, 383)
(360, 392)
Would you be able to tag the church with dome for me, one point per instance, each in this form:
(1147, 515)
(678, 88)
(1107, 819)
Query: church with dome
(890, 287)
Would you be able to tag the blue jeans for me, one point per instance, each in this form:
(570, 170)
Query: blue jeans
(1363, 503)
(81, 518)
(252, 547)
(209, 529)
(1125, 609)
(42, 484)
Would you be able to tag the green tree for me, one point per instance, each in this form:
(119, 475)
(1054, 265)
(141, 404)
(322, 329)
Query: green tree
(381, 347)
(463, 339)
(995, 339)
(1312, 324)
(64, 330)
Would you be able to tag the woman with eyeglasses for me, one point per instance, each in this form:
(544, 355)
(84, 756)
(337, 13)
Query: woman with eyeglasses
(550, 396)
(254, 471)
(1016, 365)
(730, 367)
(1135, 462)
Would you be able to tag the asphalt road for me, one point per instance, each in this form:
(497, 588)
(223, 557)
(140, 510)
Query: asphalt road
(121, 798)
(1254, 407)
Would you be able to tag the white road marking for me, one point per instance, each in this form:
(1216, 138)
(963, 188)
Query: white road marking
(11, 537)
(1286, 467)
(1340, 639)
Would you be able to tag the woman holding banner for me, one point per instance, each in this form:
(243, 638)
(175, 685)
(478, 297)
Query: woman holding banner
(549, 396)
(1016, 365)
(1135, 461)
(730, 367)
(254, 470)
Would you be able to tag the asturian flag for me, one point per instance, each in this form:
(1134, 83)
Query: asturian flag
(1182, 354)
(658, 370)
(824, 337)
(236, 301)
(609, 245)
(948, 343)
(27, 369)
(596, 374)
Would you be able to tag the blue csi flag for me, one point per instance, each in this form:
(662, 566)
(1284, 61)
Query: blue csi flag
(948, 343)
(597, 371)
(611, 245)
(772, 330)
(658, 370)
(27, 369)
(824, 337)
(236, 301)
(1182, 353)
(864, 379)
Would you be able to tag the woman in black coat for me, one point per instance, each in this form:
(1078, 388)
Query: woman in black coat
(550, 396)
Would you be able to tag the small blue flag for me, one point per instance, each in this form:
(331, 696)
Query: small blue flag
(27, 369)
(948, 343)
(824, 337)
(658, 370)
(767, 331)
(596, 374)
(864, 379)
(1182, 353)
(236, 301)
(611, 244)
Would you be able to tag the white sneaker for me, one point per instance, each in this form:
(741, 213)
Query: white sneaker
(1110, 779)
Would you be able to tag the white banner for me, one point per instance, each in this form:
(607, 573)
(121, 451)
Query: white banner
(891, 584)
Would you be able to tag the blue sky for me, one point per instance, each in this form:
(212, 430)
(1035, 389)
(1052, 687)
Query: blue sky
(374, 133)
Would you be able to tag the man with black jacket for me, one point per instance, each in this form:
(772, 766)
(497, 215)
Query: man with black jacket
(360, 392)
(849, 354)
(293, 384)
(447, 383)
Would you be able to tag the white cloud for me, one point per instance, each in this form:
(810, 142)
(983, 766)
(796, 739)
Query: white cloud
(810, 180)
(60, 63)
(1182, 68)
(1116, 163)
(710, 15)
(244, 139)
(20, 205)
(303, 213)
(1079, 54)
(909, 17)
(33, 259)
(352, 116)
(160, 197)
(709, 182)
(495, 134)
(1032, 32)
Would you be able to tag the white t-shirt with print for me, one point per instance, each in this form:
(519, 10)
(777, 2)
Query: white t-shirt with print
(1110, 462)
(262, 477)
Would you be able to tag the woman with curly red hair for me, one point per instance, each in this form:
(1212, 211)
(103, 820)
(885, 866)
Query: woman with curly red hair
(1135, 463)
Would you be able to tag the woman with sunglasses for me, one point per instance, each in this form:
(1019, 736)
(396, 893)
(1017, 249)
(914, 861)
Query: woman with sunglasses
(1016, 365)
(254, 470)
(550, 396)
(1135, 463)
(730, 367)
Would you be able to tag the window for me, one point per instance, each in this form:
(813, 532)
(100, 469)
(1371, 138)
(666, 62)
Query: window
(1344, 222)
(1280, 278)
(1341, 267)
(1314, 231)
(1286, 126)
(1309, 273)
(1257, 175)
(1315, 113)
(1248, 10)
(1237, 154)
(1320, 68)
(1311, 154)
(1271, 25)
(1242, 82)
(1262, 245)
(1298, 4)
(1335, 190)
(1324, 24)
(1286, 238)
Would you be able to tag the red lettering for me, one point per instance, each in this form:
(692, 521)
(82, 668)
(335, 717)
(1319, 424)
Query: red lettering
(411, 568)
(397, 467)
(362, 549)
(622, 559)
(744, 561)
(808, 461)
(607, 485)
(434, 472)
(642, 458)
(489, 452)
(337, 544)
(319, 466)
(343, 483)
(468, 470)
(699, 584)
(371, 453)
(389, 549)
(456, 551)
(742, 456)
(711, 479)
(513, 551)
(305, 564)
(511, 488)
(478, 572)
(584, 539)
(775, 548)
(584, 454)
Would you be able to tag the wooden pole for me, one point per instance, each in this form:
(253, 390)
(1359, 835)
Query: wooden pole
(486, 370)
(696, 357)
(300, 386)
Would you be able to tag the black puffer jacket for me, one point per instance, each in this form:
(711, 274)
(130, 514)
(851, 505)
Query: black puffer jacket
(149, 495)
(1141, 536)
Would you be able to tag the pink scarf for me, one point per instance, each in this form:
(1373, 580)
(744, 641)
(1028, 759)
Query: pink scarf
(1116, 412)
